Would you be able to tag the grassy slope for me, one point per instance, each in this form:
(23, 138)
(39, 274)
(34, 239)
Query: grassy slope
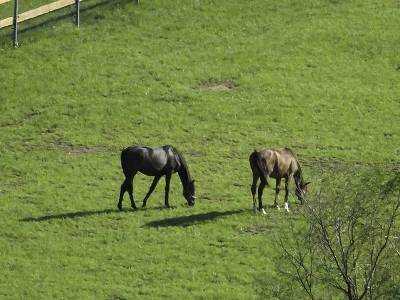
(320, 77)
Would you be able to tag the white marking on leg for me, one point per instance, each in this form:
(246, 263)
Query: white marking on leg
(277, 206)
(287, 206)
(263, 211)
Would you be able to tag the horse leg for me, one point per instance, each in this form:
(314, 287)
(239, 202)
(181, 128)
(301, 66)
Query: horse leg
(152, 187)
(130, 191)
(167, 181)
(287, 181)
(260, 192)
(277, 189)
(253, 190)
(124, 188)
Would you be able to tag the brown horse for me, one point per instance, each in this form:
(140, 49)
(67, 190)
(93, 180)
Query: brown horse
(278, 164)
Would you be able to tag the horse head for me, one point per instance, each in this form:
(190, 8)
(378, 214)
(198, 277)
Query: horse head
(301, 191)
(189, 193)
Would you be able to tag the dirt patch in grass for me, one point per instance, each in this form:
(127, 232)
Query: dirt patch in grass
(79, 149)
(217, 85)
(73, 149)
(18, 122)
(195, 153)
(256, 229)
(116, 297)
(174, 99)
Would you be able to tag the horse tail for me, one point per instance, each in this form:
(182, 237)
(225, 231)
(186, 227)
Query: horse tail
(124, 163)
(256, 165)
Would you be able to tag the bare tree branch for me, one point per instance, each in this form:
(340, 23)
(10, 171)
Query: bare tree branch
(345, 245)
(376, 258)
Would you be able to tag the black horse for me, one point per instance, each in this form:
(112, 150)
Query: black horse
(157, 162)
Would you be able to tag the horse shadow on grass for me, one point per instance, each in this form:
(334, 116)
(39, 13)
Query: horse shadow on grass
(185, 221)
(176, 221)
(86, 213)
(69, 215)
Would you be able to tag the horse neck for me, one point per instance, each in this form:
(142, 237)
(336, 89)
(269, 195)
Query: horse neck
(298, 176)
(183, 170)
(184, 175)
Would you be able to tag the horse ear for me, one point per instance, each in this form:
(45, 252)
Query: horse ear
(307, 183)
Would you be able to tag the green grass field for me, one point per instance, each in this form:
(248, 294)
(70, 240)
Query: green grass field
(216, 79)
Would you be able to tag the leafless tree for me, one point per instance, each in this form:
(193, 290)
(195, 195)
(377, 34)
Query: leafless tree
(347, 243)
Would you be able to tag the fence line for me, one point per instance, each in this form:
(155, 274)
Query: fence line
(41, 10)
(33, 13)
(6, 22)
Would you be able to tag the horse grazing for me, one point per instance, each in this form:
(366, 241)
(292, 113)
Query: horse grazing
(278, 164)
(157, 162)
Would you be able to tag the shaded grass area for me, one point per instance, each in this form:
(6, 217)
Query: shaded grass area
(214, 78)
(69, 215)
(192, 219)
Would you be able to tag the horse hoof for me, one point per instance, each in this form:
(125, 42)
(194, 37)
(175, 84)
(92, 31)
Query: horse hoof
(119, 207)
(263, 211)
(277, 206)
(286, 207)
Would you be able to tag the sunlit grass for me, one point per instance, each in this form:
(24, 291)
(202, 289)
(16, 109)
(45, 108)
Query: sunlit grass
(318, 76)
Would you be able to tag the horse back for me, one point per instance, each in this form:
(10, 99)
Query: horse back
(174, 158)
(149, 161)
(279, 163)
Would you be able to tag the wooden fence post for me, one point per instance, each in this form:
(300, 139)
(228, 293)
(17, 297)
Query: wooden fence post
(77, 8)
(15, 24)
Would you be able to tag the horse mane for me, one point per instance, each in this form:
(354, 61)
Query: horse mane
(291, 152)
(300, 171)
(184, 165)
(299, 168)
